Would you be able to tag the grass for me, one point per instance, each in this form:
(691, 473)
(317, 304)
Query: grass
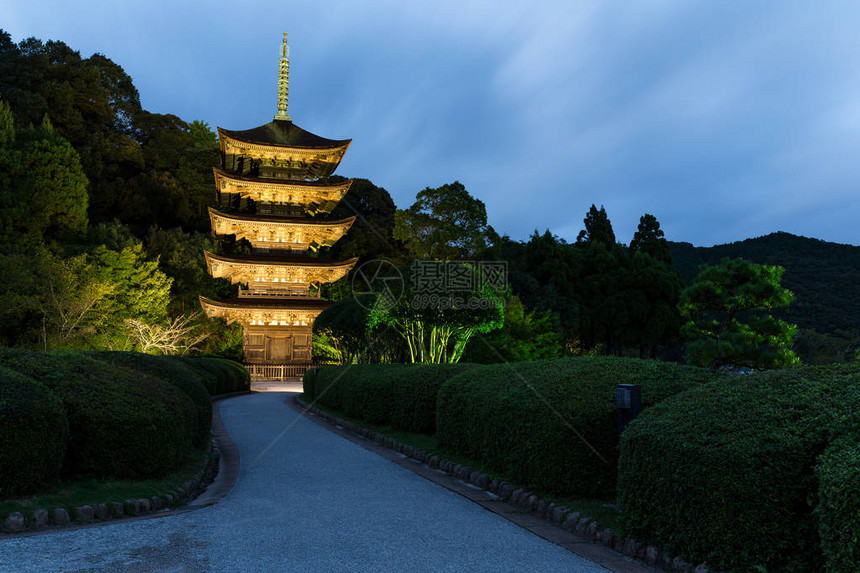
(587, 507)
(75, 493)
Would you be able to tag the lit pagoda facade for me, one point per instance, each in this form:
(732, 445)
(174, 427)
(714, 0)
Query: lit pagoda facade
(272, 179)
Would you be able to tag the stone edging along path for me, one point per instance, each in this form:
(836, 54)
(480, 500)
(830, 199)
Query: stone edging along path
(556, 523)
(221, 452)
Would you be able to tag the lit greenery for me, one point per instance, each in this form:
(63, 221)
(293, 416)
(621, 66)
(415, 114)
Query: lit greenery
(435, 322)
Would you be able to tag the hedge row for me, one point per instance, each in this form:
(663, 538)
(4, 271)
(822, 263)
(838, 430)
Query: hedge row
(551, 424)
(176, 373)
(33, 434)
(122, 423)
(839, 505)
(404, 396)
(220, 376)
(726, 472)
(103, 414)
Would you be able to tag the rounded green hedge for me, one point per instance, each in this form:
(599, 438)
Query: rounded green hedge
(725, 472)
(366, 391)
(839, 505)
(33, 434)
(122, 423)
(175, 373)
(414, 395)
(399, 394)
(219, 376)
(551, 424)
(361, 391)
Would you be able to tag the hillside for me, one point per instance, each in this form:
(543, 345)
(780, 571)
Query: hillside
(825, 277)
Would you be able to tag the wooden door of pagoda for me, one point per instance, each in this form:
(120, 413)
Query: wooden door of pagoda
(279, 349)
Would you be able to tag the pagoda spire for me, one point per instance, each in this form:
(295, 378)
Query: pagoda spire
(283, 81)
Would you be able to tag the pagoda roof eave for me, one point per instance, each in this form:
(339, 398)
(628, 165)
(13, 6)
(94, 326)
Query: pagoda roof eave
(304, 221)
(280, 182)
(284, 134)
(249, 303)
(280, 260)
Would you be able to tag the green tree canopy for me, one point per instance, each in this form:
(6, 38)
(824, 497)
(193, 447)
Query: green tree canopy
(598, 229)
(728, 321)
(525, 336)
(649, 239)
(445, 223)
(43, 189)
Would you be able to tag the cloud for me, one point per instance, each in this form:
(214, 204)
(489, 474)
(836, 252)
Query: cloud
(725, 120)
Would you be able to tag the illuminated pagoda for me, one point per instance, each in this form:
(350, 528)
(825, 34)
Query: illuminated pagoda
(272, 180)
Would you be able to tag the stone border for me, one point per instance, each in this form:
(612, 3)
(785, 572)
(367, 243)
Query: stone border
(220, 452)
(559, 516)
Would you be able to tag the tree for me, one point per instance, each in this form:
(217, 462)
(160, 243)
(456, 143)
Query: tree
(141, 290)
(343, 329)
(598, 229)
(435, 322)
(445, 223)
(526, 335)
(649, 239)
(728, 322)
(43, 189)
(652, 297)
(177, 336)
(602, 282)
(655, 288)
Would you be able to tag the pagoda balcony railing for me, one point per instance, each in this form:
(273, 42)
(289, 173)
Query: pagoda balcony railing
(275, 292)
(278, 371)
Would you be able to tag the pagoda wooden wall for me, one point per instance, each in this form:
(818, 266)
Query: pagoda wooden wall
(277, 345)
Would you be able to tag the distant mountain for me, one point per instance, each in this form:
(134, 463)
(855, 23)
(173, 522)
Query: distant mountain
(824, 277)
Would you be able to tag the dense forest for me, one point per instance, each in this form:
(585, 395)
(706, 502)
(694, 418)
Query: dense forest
(103, 222)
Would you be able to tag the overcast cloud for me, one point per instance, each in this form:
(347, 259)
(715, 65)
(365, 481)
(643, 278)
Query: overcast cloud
(726, 120)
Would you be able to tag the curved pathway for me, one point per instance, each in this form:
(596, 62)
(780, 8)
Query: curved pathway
(305, 499)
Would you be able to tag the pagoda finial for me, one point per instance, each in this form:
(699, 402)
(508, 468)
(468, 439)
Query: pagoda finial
(284, 81)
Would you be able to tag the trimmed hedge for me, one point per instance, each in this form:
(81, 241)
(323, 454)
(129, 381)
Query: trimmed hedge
(399, 394)
(725, 472)
(414, 395)
(175, 373)
(33, 434)
(361, 391)
(839, 506)
(537, 422)
(219, 376)
(122, 423)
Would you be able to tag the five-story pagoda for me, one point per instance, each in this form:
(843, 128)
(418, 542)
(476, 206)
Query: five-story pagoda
(272, 179)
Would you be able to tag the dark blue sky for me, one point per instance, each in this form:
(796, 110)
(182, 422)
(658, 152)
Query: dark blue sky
(726, 120)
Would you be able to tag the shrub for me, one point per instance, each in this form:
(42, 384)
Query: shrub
(413, 395)
(33, 434)
(725, 472)
(361, 391)
(219, 375)
(366, 391)
(328, 386)
(122, 423)
(551, 424)
(172, 372)
(404, 395)
(839, 505)
(308, 389)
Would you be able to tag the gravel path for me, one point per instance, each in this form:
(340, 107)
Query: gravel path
(305, 500)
